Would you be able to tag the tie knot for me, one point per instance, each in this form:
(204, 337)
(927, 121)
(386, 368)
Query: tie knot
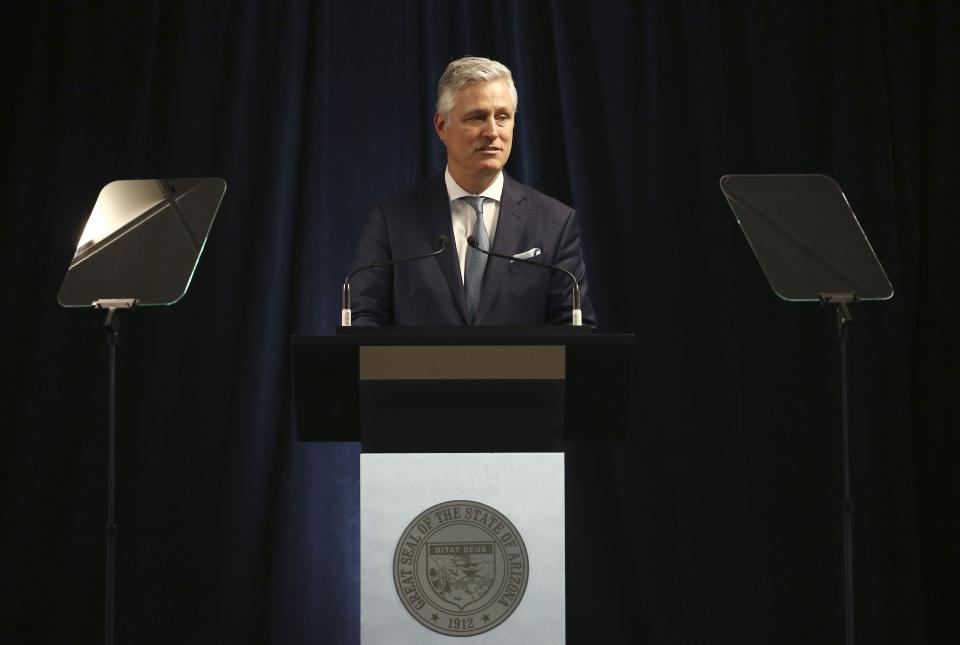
(476, 201)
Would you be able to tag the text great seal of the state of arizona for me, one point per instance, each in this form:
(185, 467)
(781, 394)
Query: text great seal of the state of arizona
(460, 568)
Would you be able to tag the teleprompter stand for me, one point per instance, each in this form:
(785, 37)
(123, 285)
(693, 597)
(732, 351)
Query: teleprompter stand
(812, 249)
(140, 246)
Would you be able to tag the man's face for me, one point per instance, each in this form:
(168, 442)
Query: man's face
(478, 133)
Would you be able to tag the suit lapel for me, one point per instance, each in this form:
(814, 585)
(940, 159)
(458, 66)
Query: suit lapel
(435, 216)
(509, 229)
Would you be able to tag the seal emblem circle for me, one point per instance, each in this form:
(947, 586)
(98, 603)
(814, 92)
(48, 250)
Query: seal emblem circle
(460, 568)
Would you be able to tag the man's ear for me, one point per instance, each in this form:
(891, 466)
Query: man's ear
(441, 127)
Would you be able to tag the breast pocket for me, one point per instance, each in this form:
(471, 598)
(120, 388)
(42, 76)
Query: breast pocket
(533, 255)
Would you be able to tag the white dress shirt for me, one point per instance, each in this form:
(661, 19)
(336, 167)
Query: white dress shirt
(463, 216)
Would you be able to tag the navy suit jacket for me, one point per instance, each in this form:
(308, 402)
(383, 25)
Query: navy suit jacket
(429, 292)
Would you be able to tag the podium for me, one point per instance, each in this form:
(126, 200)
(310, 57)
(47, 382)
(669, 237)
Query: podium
(462, 433)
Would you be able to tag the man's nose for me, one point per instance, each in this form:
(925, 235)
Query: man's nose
(490, 128)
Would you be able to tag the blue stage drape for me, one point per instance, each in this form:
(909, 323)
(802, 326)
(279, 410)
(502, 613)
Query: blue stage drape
(717, 520)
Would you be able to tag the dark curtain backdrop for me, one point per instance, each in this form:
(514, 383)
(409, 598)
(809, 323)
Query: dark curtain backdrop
(716, 521)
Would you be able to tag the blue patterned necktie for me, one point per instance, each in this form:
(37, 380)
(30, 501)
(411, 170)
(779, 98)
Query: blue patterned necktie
(475, 262)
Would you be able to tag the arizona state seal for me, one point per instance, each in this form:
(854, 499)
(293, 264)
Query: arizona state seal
(460, 568)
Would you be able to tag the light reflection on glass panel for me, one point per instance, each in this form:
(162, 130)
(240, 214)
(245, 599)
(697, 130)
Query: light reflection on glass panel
(118, 205)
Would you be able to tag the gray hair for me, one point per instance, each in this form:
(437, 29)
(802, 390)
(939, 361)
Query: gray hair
(467, 70)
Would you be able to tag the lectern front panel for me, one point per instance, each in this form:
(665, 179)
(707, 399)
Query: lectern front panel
(462, 545)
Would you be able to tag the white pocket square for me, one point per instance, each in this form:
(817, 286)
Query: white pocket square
(526, 255)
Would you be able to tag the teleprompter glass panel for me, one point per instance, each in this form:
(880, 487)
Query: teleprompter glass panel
(142, 241)
(805, 236)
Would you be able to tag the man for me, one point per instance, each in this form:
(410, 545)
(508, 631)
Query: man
(476, 108)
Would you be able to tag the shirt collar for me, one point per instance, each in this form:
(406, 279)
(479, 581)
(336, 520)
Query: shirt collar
(494, 191)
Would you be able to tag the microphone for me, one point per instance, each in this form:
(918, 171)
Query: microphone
(577, 318)
(346, 315)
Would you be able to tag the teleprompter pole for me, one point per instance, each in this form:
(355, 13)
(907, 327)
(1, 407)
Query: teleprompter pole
(842, 301)
(112, 326)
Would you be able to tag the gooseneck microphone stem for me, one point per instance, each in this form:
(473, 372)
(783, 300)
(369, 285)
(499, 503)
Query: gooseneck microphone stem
(577, 316)
(346, 315)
